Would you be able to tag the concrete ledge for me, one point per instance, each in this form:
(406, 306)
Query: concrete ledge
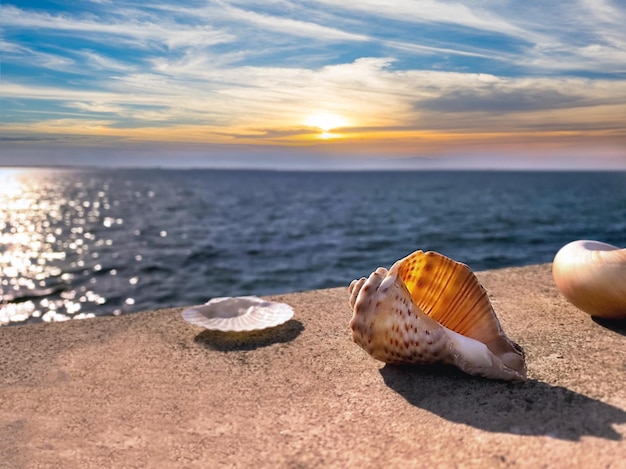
(150, 390)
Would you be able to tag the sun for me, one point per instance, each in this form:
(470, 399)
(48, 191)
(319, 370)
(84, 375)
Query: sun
(326, 121)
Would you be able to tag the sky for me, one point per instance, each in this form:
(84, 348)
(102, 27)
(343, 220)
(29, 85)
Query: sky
(364, 84)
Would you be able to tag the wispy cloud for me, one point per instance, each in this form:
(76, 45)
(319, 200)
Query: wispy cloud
(12, 51)
(433, 11)
(98, 61)
(281, 25)
(130, 27)
(96, 107)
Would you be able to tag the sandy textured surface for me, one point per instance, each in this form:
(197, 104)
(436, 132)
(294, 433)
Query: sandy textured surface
(150, 390)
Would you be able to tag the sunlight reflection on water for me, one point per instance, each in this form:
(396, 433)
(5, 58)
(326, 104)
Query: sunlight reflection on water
(44, 244)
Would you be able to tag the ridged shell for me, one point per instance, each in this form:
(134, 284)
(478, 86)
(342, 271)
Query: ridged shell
(243, 313)
(592, 276)
(429, 308)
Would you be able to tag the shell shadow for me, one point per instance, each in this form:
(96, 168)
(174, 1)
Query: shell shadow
(529, 408)
(616, 325)
(249, 340)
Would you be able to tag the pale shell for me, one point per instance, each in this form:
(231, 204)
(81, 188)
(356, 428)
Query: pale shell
(592, 276)
(428, 308)
(242, 313)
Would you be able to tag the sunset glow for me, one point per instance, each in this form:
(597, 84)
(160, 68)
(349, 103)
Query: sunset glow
(326, 121)
(231, 83)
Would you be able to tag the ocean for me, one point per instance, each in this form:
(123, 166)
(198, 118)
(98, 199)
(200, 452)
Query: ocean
(77, 243)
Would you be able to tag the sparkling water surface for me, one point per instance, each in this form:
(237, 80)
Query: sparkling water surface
(79, 243)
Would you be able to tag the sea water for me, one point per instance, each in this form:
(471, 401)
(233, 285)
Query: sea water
(78, 243)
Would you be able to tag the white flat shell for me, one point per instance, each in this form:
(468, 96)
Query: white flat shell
(242, 313)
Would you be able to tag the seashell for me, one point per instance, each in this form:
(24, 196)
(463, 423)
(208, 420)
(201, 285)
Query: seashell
(428, 308)
(592, 276)
(242, 313)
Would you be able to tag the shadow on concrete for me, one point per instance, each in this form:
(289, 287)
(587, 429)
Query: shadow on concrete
(616, 325)
(231, 341)
(529, 408)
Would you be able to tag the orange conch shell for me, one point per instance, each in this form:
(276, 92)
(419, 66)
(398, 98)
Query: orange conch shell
(430, 309)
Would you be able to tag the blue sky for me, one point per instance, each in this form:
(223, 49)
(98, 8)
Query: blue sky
(351, 84)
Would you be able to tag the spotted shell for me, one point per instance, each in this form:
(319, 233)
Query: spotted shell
(234, 314)
(428, 308)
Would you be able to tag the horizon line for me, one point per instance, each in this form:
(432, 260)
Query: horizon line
(320, 169)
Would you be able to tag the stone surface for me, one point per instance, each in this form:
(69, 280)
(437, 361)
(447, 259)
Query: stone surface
(150, 390)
